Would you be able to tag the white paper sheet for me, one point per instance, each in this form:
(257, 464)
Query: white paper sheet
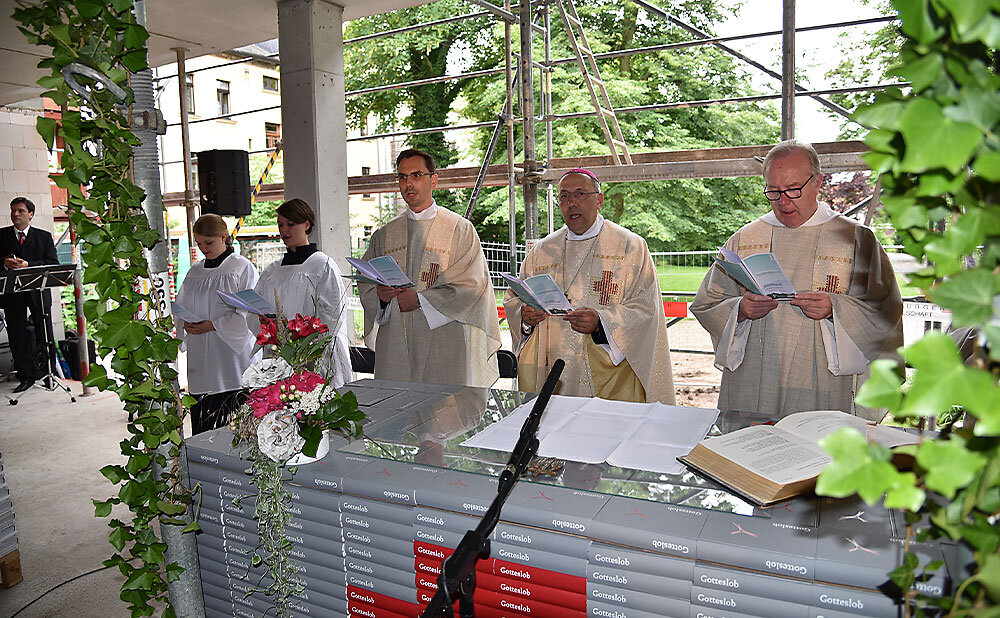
(590, 430)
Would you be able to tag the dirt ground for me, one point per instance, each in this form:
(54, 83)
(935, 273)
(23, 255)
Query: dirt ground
(695, 376)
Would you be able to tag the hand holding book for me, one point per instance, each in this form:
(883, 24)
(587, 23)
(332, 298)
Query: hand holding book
(760, 273)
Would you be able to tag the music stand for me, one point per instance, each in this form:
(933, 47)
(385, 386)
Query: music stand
(33, 280)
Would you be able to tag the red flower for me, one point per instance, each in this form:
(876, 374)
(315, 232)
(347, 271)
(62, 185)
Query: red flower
(268, 332)
(305, 325)
(306, 381)
(265, 400)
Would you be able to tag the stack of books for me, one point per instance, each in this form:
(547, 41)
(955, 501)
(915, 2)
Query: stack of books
(10, 564)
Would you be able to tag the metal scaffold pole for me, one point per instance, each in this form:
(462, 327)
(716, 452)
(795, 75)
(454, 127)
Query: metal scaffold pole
(529, 179)
(508, 111)
(788, 69)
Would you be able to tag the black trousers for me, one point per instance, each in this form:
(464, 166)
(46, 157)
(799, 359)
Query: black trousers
(214, 410)
(26, 333)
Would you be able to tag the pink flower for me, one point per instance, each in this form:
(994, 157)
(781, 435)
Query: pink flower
(265, 400)
(305, 381)
(304, 325)
(268, 332)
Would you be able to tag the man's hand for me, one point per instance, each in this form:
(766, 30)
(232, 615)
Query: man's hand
(754, 306)
(815, 305)
(386, 293)
(407, 299)
(583, 320)
(14, 262)
(531, 316)
(199, 328)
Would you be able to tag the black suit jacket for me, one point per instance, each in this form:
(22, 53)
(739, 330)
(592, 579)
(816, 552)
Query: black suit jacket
(38, 248)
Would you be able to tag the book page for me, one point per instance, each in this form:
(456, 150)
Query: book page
(248, 300)
(733, 265)
(816, 425)
(548, 292)
(367, 271)
(767, 451)
(390, 271)
(184, 313)
(523, 292)
(767, 273)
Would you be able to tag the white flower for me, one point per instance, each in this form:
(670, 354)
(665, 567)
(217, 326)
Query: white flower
(265, 372)
(278, 436)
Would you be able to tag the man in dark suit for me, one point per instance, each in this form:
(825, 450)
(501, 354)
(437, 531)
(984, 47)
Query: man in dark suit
(23, 245)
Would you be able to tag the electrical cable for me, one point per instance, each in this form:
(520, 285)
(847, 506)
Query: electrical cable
(72, 579)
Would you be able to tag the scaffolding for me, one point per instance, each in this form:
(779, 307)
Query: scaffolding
(532, 17)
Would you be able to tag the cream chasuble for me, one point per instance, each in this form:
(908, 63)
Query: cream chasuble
(454, 335)
(786, 362)
(613, 274)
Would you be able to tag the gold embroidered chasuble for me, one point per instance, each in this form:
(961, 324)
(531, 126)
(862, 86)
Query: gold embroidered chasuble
(444, 259)
(786, 367)
(613, 274)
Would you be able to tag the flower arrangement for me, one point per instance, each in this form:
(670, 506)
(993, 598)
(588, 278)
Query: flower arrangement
(289, 409)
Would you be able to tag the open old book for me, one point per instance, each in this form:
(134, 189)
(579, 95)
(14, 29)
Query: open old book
(771, 463)
(760, 273)
(540, 292)
(382, 270)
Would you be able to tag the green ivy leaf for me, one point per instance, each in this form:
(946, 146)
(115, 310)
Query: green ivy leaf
(191, 527)
(857, 467)
(135, 61)
(882, 115)
(966, 13)
(170, 508)
(102, 508)
(882, 388)
(141, 579)
(989, 576)
(969, 294)
(118, 538)
(115, 474)
(917, 23)
(981, 535)
(941, 380)
(923, 71)
(905, 494)
(934, 140)
(987, 165)
(949, 464)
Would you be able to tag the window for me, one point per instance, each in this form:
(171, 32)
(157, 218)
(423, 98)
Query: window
(222, 96)
(189, 92)
(272, 134)
(270, 83)
(364, 127)
(366, 171)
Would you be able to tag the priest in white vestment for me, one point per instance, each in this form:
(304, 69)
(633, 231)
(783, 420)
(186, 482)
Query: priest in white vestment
(813, 352)
(444, 329)
(218, 344)
(614, 342)
(308, 282)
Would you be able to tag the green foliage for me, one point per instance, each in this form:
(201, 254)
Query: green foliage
(127, 321)
(686, 214)
(938, 150)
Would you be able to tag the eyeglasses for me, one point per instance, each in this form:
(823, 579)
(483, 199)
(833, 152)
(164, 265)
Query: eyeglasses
(413, 176)
(793, 193)
(579, 194)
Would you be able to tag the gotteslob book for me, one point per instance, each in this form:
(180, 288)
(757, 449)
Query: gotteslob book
(382, 270)
(248, 300)
(540, 292)
(760, 273)
(771, 463)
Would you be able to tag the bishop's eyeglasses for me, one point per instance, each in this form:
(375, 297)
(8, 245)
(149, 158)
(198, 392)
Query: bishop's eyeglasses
(578, 195)
(793, 193)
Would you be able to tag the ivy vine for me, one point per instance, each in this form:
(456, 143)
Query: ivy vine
(106, 207)
(937, 146)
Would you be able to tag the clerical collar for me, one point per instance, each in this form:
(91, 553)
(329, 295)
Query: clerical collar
(216, 262)
(823, 214)
(425, 214)
(300, 255)
(594, 230)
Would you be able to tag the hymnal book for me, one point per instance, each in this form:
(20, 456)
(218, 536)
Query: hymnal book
(540, 292)
(760, 273)
(382, 270)
(184, 313)
(768, 464)
(248, 300)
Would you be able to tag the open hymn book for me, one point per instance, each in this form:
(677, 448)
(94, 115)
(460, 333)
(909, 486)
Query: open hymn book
(771, 463)
(540, 292)
(382, 270)
(760, 273)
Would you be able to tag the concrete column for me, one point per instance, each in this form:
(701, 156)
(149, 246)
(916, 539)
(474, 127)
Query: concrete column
(313, 128)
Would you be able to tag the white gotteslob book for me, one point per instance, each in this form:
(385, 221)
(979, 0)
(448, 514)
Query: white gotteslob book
(540, 292)
(383, 270)
(760, 273)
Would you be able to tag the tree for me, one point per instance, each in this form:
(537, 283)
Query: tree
(675, 215)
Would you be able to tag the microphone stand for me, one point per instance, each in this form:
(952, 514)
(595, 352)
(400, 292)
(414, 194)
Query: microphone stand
(458, 573)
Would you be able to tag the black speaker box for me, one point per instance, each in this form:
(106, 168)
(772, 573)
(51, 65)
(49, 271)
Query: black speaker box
(224, 182)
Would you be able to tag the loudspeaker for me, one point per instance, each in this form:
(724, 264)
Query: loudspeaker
(224, 182)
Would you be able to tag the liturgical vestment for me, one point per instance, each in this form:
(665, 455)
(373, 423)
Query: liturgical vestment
(452, 338)
(608, 269)
(787, 362)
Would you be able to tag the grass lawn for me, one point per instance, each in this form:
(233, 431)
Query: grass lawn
(688, 279)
